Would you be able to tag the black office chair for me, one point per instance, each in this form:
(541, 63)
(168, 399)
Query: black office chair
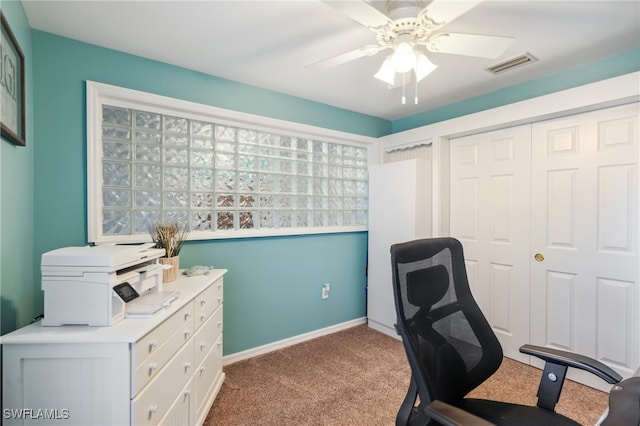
(452, 349)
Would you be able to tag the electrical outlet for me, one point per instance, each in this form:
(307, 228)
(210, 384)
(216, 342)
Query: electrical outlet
(325, 291)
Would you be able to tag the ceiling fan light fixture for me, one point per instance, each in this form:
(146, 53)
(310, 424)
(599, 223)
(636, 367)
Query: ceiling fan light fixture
(404, 57)
(387, 72)
(423, 66)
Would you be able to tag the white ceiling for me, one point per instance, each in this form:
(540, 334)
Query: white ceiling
(269, 43)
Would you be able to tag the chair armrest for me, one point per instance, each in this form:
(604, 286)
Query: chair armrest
(624, 403)
(570, 359)
(449, 415)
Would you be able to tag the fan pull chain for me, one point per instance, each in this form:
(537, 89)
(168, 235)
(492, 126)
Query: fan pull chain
(404, 99)
(416, 92)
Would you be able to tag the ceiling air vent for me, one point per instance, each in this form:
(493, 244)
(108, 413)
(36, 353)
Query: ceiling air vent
(519, 61)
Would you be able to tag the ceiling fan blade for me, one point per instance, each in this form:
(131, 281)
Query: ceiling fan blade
(369, 50)
(482, 46)
(440, 12)
(361, 12)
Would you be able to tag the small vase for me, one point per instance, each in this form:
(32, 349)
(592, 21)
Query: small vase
(171, 274)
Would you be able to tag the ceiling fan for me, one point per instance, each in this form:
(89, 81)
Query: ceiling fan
(411, 30)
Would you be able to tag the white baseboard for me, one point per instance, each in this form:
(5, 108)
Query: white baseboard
(270, 347)
(385, 329)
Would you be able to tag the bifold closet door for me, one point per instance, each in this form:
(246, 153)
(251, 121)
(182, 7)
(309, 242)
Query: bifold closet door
(552, 240)
(584, 238)
(490, 207)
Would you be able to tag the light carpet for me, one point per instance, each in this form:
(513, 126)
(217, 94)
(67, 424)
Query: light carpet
(359, 377)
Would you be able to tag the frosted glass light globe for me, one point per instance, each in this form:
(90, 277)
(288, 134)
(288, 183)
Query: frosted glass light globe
(404, 58)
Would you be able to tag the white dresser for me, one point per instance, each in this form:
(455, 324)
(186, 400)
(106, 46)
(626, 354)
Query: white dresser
(164, 370)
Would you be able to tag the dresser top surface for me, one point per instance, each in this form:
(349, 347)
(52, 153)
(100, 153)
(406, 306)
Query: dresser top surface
(129, 330)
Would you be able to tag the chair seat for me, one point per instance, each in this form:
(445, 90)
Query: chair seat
(502, 413)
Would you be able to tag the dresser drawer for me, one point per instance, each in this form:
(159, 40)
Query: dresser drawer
(180, 413)
(205, 297)
(207, 335)
(207, 302)
(152, 342)
(207, 374)
(148, 368)
(153, 402)
(202, 315)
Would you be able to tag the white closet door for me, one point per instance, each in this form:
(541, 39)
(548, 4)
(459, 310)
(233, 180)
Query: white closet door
(399, 211)
(584, 283)
(490, 207)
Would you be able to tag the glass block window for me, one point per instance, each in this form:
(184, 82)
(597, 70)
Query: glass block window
(223, 179)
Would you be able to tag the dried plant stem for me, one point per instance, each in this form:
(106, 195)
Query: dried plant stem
(169, 236)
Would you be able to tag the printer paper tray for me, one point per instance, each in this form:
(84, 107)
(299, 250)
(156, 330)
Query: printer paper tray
(147, 305)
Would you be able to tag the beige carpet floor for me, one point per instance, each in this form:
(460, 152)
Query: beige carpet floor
(359, 377)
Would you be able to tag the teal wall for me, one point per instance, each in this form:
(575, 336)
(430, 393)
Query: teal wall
(18, 286)
(616, 65)
(273, 287)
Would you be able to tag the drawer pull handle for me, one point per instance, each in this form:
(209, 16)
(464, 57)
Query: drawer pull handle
(152, 367)
(186, 394)
(187, 316)
(152, 346)
(152, 410)
(202, 317)
(202, 346)
(187, 366)
(187, 334)
(202, 369)
(203, 302)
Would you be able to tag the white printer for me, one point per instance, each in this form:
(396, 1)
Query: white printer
(100, 285)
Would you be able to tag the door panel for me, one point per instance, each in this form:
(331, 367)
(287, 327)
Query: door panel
(560, 288)
(490, 207)
(615, 208)
(615, 308)
(561, 208)
(584, 293)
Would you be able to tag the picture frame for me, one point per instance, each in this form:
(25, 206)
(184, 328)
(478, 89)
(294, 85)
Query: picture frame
(12, 118)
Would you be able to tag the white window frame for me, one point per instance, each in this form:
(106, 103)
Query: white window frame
(99, 94)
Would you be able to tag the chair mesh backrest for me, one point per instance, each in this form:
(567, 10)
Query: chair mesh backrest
(449, 343)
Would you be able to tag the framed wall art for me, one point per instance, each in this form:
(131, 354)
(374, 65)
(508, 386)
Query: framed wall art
(12, 119)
